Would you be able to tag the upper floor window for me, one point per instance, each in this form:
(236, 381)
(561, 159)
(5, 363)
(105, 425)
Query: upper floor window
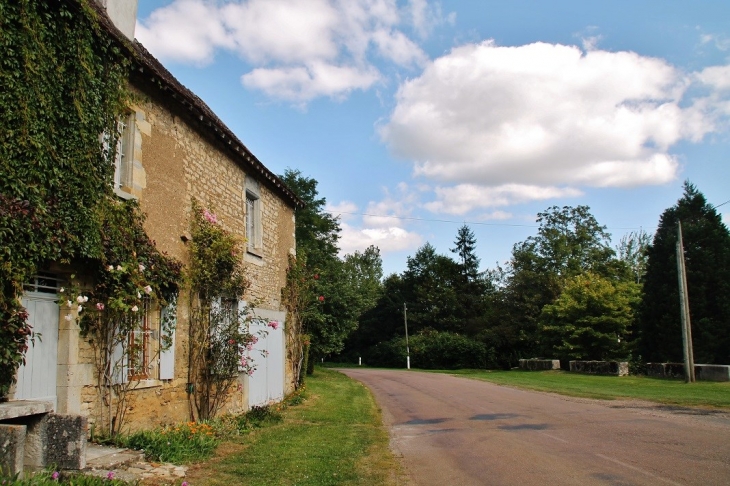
(254, 226)
(124, 155)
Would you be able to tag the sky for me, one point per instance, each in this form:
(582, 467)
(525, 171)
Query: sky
(416, 117)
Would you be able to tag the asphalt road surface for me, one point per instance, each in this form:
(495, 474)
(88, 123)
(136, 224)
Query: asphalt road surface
(458, 431)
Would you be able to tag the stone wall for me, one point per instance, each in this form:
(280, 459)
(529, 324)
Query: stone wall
(173, 164)
(665, 370)
(615, 368)
(706, 372)
(539, 364)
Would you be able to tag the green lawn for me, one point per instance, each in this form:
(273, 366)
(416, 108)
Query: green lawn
(334, 438)
(673, 392)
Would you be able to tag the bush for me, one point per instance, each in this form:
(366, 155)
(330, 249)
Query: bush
(54, 478)
(179, 444)
(432, 350)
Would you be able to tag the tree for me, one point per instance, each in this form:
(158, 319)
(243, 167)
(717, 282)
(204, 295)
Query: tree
(317, 232)
(466, 247)
(591, 318)
(431, 283)
(632, 249)
(707, 257)
(569, 242)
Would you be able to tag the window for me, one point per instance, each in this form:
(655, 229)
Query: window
(146, 357)
(251, 203)
(254, 227)
(139, 364)
(124, 154)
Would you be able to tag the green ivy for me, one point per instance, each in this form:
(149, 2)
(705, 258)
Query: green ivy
(63, 83)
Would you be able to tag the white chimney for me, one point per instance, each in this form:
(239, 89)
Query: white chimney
(123, 13)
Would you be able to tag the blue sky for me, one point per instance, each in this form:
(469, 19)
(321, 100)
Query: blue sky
(416, 117)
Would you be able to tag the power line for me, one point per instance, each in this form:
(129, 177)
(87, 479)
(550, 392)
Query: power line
(722, 204)
(428, 220)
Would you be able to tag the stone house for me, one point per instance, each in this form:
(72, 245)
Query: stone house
(172, 149)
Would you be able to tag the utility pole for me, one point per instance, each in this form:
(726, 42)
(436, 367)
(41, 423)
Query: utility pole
(689, 362)
(408, 351)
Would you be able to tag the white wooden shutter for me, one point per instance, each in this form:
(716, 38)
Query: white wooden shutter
(167, 356)
(119, 366)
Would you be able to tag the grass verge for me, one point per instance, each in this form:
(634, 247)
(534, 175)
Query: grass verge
(672, 392)
(335, 437)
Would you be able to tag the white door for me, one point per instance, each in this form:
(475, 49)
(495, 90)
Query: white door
(266, 384)
(37, 378)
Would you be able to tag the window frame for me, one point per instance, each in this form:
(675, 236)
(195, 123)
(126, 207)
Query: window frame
(253, 218)
(124, 155)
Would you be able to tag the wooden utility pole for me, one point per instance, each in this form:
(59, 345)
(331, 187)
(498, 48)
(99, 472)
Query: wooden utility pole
(689, 362)
(408, 351)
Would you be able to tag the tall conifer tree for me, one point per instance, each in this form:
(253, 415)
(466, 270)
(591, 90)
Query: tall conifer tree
(707, 255)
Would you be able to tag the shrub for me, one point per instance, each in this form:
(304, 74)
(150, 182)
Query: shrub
(433, 350)
(179, 444)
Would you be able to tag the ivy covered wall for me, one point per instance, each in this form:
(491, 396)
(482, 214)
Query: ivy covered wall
(62, 85)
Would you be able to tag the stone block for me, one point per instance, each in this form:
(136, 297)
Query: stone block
(665, 370)
(612, 368)
(539, 364)
(66, 441)
(12, 449)
(706, 372)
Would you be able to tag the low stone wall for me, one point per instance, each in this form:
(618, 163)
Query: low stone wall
(706, 372)
(665, 370)
(539, 364)
(614, 368)
(12, 451)
(32, 437)
(703, 372)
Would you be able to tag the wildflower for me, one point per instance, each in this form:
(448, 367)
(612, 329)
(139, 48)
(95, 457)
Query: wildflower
(135, 308)
(212, 219)
(184, 483)
(119, 268)
(321, 298)
(68, 317)
(100, 306)
(148, 289)
(86, 298)
(62, 290)
(55, 475)
(80, 308)
(69, 303)
(110, 268)
(141, 267)
(139, 296)
(231, 341)
(273, 325)
(110, 475)
(80, 299)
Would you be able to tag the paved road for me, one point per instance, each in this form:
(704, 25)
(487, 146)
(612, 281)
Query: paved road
(457, 431)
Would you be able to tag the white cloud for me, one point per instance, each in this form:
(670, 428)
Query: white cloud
(721, 42)
(717, 77)
(463, 198)
(496, 216)
(382, 224)
(297, 50)
(185, 31)
(386, 239)
(544, 115)
(345, 210)
(307, 82)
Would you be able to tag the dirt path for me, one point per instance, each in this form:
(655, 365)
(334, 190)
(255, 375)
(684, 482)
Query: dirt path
(456, 431)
